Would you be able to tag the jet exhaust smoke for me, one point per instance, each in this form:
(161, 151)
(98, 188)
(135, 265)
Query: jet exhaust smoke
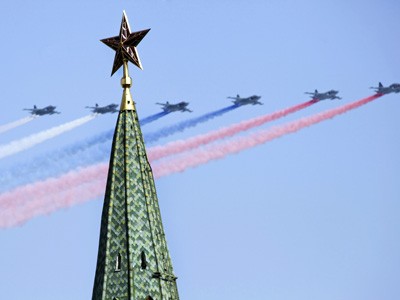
(158, 152)
(97, 149)
(155, 136)
(12, 125)
(202, 156)
(79, 154)
(153, 118)
(26, 202)
(54, 163)
(37, 138)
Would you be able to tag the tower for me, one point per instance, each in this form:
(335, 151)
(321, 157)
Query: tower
(133, 261)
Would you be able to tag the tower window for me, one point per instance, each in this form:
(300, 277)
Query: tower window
(149, 298)
(144, 261)
(118, 263)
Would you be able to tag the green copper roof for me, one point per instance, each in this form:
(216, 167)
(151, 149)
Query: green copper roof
(133, 259)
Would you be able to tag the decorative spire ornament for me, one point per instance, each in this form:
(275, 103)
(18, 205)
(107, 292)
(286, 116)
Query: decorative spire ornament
(133, 261)
(125, 45)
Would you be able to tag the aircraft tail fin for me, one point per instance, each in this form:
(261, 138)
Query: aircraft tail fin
(380, 84)
(97, 105)
(316, 91)
(34, 107)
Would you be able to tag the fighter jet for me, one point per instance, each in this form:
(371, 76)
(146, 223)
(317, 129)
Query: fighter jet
(239, 101)
(111, 108)
(332, 94)
(48, 110)
(393, 88)
(181, 106)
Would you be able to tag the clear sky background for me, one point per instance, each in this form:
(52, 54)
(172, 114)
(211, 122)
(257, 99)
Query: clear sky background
(312, 215)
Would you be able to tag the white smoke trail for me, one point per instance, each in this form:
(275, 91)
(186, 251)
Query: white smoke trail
(12, 125)
(37, 138)
(78, 186)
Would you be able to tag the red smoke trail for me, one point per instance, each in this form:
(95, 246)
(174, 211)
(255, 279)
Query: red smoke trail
(23, 203)
(219, 151)
(184, 145)
(94, 173)
(26, 202)
(49, 203)
(51, 187)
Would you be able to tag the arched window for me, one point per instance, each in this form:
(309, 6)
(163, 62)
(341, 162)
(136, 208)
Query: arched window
(149, 298)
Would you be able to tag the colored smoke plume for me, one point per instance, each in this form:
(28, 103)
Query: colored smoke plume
(181, 126)
(153, 118)
(97, 149)
(12, 125)
(158, 152)
(26, 202)
(83, 153)
(54, 163)
(52, 194)
(79, 154)
(202, 156)
(37, 138)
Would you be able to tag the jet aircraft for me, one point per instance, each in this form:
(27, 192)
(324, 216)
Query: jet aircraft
(239, 101)
(393, 88)
(181, 106)
(111, 108)
(332, 94)
(48, 110)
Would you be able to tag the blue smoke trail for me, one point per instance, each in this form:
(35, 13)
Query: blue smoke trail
(80, 154)
(155, 136)
(153, 118)
(87, 152)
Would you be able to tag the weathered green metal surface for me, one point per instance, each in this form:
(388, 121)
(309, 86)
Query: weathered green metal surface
(133, 260)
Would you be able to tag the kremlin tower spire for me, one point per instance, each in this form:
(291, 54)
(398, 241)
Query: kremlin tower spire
(133, 261)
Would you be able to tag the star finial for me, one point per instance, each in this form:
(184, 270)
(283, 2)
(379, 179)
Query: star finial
(125, 45)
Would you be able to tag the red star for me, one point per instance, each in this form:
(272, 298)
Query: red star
(125, 45)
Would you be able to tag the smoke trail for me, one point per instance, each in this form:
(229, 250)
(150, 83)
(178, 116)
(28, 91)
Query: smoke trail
(26, 202)
(56, 162)
(12, 125)
(51, 187)
(219, 151)
(155, 136)
(89, 151)
(191, 143)
(153, 118)
(34, 139)
(48, 203)
(80, 154)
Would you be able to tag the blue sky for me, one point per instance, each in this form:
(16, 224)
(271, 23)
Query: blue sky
(313, 215)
